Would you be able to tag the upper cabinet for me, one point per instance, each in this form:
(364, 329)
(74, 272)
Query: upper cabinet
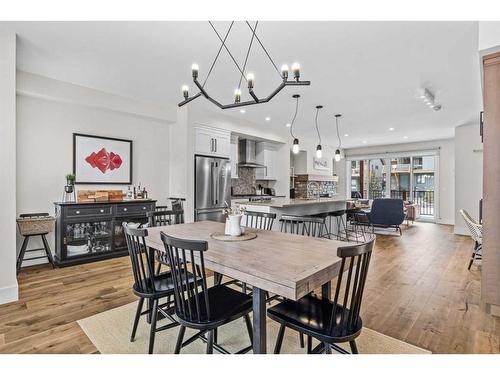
(212, 141)
(234, 156)
(266, 155)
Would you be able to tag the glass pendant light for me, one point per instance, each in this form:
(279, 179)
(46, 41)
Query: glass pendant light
(319, 152)
(337, 151)
(295, 147)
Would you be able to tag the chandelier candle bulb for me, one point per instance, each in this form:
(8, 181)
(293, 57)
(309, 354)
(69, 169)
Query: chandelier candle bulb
(284, 71)
(296, 71)
(250, 80)
(337, 155)
(185, 91)
(237, 95)
(194, 69)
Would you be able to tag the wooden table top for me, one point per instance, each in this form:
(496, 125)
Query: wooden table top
(285, 264)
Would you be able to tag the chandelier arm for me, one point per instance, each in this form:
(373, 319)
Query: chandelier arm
(248, 52)
(218, 52)
(227, 49)
(255, 98)
(189, 99)
(265, 50)
(317, 128)
(294, 116)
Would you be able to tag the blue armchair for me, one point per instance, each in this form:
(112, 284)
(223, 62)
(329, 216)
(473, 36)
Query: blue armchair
(387, 213)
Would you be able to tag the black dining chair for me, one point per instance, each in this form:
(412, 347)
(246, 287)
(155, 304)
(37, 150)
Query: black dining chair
(312, 226)
(161, 217)
(148, 285)
(197, 306)
(330, 321)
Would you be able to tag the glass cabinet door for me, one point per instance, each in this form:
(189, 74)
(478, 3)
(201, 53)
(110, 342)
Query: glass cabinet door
(85, 238)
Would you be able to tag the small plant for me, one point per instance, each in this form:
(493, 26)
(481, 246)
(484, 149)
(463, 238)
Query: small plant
(236, 210)
(70, 179)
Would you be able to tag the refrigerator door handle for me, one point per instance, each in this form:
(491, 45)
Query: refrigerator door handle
(217, 183)
(213, 177)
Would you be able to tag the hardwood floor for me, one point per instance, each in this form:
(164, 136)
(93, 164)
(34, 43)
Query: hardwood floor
(418, 291)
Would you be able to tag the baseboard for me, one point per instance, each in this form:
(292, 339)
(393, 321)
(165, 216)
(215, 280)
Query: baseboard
(461, 230)
(445, 221)
(9, 294)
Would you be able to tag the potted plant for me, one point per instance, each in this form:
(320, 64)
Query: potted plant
(233, 220)
(70, 183)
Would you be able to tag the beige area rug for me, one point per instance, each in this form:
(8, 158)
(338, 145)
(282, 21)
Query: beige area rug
(110, 332)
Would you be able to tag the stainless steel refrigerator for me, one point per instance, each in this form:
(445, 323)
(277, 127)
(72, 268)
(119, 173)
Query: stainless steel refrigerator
(212, 187)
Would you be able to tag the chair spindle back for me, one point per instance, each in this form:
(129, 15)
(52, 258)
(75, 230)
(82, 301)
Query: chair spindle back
(259, 220)
(303, 225)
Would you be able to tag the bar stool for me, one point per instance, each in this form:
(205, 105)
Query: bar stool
(352, 217)
(338, 216)
(35, 224)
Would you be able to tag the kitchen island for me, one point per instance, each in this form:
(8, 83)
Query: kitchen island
(300, 207)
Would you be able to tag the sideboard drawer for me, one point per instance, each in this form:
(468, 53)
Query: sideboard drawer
(133, 209)
(103, 210)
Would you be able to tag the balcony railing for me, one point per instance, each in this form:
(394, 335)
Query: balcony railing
(423, 198)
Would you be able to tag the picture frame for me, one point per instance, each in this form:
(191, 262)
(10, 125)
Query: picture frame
(320, 164)
(99, 160)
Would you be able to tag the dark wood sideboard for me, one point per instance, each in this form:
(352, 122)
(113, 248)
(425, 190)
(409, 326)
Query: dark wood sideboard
(88, 232)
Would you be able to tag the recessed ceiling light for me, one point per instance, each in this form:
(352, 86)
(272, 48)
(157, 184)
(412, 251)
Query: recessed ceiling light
(242, 111)
(405, 137)
(268, 118)
(346, 135)
(391, 129)
(365, 142)
(288, 125)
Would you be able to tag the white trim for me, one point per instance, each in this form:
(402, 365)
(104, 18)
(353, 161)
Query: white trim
(9, 294)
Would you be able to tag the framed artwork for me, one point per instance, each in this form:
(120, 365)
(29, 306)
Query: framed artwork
(102, 160)
(320, 164)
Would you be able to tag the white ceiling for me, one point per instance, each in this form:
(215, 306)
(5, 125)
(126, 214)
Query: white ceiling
(368, 71)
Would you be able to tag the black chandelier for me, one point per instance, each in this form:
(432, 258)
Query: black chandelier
(249, 78)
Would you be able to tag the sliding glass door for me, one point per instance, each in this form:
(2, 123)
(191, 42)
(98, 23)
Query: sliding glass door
(411, 178)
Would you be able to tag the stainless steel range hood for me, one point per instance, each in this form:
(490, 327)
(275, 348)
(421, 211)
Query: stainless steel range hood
(247, 151)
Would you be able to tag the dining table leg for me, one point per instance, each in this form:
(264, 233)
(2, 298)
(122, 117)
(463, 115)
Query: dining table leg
(259, 321)
(326, 290)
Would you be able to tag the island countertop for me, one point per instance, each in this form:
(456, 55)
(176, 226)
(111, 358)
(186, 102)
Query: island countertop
(287, 202)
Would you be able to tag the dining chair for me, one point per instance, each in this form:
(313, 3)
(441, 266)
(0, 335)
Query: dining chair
(330, 321)
(197, 306)
(148, 285)
(161, 217)
(312, 226)
(476, 231)
(259, 220)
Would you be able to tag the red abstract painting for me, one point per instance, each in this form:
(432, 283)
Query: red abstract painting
(104, 160)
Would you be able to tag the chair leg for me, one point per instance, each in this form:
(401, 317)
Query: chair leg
(244, 288)
(47, 250)
(328, 348)
(152, 332)
(301, 339)
(180, 337)
(354, 348)
(215, 335)
(248, 323)
(279, 339)
(309, 344)
(22, 252)
(136, 319)
(210, 342)
(473, 256)
(400, 231)
(158, 268)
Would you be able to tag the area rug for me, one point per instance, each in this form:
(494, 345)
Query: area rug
(110, 332)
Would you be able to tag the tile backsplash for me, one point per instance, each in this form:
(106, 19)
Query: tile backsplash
(325, 187)
(246, 182)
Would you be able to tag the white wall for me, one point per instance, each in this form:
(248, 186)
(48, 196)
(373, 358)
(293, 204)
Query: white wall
(468, 173)
(489, 36)
(8, 282)
(45, 124)
(446, 170)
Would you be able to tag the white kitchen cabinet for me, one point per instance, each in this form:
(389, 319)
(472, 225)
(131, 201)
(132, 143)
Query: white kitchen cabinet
(234, 157)
(212, 141)
(266, 155)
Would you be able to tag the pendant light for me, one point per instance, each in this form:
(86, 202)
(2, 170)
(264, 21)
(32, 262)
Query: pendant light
(337, 151)
(319, 152)
(295, 147)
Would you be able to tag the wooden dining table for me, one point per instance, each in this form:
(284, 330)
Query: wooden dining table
(288, 265)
